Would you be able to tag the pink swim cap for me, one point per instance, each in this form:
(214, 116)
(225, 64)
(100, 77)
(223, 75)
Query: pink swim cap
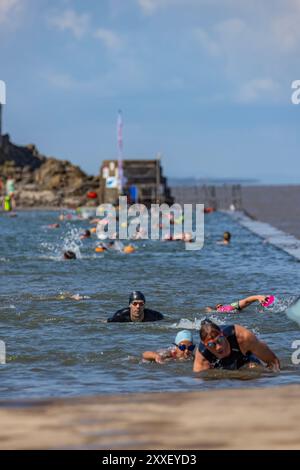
(269, 301)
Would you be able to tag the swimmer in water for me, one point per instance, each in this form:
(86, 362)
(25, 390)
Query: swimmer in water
(69, 255)
(183, 349)
(226, 239)
(136, 311)
(231, 347)
(239, 305)
(86, 234)
(68, 295)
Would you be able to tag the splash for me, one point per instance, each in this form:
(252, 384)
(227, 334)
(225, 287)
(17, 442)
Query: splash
(69, 295)
(186, 324)
(72, 242)
(294, 312)
(280, 304)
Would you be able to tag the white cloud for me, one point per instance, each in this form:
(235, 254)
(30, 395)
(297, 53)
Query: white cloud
(257, 89)
(8, 7)
(69, 20)
(148, 6)
(109, 38)
(231, 27)
(62, 80)
(206, 42)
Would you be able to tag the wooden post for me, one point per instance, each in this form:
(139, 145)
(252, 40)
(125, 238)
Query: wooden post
(157, 192)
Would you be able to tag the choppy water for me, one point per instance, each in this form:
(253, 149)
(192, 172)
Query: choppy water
(57, 346)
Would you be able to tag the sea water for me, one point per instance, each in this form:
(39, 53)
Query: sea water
(59, 346)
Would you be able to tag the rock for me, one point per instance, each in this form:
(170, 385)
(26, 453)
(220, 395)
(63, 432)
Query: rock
(44, 181)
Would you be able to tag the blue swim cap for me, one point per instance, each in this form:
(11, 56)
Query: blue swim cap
(184, 335)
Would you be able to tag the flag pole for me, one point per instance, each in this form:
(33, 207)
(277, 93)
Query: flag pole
(120, 150)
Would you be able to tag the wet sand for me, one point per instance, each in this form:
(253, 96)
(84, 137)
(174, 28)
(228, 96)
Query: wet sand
(222, 419)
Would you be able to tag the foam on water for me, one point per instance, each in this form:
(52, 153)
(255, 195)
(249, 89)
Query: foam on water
(293, 312)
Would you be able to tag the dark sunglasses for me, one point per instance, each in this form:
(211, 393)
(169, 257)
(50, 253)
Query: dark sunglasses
(213, 343)
(183, 347)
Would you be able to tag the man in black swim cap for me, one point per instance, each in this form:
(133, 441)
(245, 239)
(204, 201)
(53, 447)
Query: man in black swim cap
(136, 312)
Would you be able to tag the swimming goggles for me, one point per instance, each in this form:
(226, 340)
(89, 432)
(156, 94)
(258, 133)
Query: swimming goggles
(212, 343)
(183, 347)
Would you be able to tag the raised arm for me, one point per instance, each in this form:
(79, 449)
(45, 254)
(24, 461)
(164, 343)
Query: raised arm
(249, 300)
(248, 342)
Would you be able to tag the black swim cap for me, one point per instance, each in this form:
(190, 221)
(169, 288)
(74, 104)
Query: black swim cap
(69, 254)
(136, 295)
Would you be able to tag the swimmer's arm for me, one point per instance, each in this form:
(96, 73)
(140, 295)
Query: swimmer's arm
(154, 356)
(249, 300)
(249, 342)
(200, 363)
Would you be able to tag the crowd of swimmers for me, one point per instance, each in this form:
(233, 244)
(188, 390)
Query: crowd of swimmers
(220, 347)
(118, 245)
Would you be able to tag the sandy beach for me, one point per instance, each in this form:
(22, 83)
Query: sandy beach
(222, 419)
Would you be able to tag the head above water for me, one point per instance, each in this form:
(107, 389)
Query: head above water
(214, 340)
(208, 328)
(227, 236)
(183, 335)
(137, 304)
(136, 295)
(69, 255)
(184, 344)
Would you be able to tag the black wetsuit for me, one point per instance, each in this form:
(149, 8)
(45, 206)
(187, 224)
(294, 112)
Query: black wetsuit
(236, 358)
(123, 315)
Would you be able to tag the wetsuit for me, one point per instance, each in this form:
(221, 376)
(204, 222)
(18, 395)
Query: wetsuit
(236, 358)
(123, 315)
(234, 307)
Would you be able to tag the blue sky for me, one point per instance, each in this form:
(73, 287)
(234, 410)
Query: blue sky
(205, 83)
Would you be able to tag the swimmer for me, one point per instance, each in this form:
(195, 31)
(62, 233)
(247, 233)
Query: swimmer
(136, 312)
(231, 347)
(53, 226)
(86, 234)
(183, 349)
(239, 305)
(226, 239)
(68, 295)
(69, 255)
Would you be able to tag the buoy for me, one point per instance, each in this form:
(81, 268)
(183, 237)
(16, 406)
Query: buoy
(92, 195)
(129, 249)
(99, 249)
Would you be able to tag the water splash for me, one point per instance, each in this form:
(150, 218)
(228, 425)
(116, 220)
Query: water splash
(186, 324)
(294, 312)
(69, 295)
(72, 242)
(280, 305)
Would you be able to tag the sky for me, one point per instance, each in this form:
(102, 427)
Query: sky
(206, 84)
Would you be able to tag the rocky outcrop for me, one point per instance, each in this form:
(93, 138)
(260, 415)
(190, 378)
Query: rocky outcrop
(42, 181)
